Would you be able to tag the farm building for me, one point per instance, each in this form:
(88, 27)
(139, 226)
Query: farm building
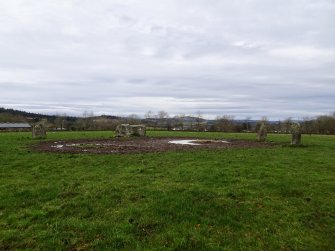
(14, 126)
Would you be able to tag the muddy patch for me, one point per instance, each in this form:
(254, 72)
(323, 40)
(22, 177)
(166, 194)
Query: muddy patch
(141, 145)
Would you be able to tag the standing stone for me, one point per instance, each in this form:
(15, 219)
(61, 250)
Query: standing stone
(296, 134)
(123, 130)
(126, 130)
(39, 131)
(262, 133)
(138, 130)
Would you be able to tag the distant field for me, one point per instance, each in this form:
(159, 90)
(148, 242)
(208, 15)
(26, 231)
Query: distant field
(278, 198)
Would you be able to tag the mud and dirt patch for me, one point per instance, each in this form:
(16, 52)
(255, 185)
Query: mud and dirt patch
(140, 145)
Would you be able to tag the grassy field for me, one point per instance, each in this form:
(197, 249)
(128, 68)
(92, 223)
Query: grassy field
(279, 198)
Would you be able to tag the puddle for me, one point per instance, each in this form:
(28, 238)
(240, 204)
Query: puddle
(72, 144)
(195, 142)
(57, 146)
(77, 145)
(184, 142)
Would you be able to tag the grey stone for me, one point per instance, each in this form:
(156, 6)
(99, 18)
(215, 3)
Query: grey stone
(123, 130)
(39, 131)
(126, 130)
(296, 134)
(262, 133)
(138, 130)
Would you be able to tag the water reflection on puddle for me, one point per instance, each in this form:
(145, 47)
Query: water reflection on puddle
(195, 142)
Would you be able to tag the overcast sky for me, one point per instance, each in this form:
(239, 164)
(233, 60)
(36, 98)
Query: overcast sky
(246, 58)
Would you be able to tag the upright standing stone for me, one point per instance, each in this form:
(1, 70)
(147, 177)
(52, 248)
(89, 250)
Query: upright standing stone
(296, 134)
(262, 133)
(39, 131)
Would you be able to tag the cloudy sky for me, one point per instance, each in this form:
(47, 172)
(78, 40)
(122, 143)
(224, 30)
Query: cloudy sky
(247, 58)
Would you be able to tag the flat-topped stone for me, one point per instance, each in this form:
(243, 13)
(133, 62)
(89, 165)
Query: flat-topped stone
(126, 130)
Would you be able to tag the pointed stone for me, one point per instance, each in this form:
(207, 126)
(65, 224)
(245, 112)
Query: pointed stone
(262, 133)
(296, 134)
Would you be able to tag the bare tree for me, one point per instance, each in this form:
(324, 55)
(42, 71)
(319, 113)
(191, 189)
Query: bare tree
(325, 124)
(307, 125)
(198, 120)
(247, 124)
(225, 123)
(149, 114)
(286, 125)
(60, 121)
(133, 119)
(179, 120)
(162, 117)
(87, 122)
(162, 114)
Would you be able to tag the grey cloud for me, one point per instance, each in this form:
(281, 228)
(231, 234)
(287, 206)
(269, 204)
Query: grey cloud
(247, 58)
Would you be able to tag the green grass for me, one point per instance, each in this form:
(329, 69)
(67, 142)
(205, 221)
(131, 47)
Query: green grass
(279, 198)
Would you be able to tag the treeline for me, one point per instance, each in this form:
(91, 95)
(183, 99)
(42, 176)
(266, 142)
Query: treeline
(319, 125)
(162, 121)
(324, 124)
(89, 123)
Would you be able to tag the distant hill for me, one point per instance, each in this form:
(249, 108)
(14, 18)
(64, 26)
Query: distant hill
(22, 115)
(107, 117)
(12, 115)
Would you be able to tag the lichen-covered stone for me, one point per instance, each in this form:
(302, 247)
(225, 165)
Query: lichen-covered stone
(296, 134)
(138, 130)
(39, 131)
(125, 130)
(262, 133)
